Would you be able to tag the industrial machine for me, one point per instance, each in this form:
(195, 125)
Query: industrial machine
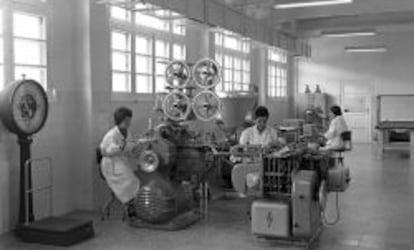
(172, 159)
(290, 186)
(24, 111)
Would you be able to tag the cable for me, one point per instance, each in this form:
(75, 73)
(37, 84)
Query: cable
(326, 222)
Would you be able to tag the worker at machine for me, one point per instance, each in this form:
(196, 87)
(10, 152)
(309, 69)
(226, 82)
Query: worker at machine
(260, 133)
(115, 165)
(336, 128)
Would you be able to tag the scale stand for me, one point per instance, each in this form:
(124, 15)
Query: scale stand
(25, 208)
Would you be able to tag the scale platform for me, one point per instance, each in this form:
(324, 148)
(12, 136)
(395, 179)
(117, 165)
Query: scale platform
(57, 231)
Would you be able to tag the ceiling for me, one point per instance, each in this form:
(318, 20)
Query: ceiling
(385, 15)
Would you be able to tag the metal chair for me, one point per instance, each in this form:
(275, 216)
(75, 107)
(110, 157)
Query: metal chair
(106, 208)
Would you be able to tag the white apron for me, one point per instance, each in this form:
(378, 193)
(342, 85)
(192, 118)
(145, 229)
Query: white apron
(116, 168)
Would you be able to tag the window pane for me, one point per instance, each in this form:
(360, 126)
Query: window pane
(179, 52)
(228, 77)
(120, 61)
(219, 58)
(143, 84)
(37, 74)
(227, 86)
(246, 77)
(120, 41)
(160, 68)
(149, 21)
(228, 62)
(179, 28)
(160, 84)
(237, 76)
(162, 49)
(218, 39)
(231, 43)
(246, 65)
(237, 64)
(143, 64)
(120, 13)
(121, 82)
(143, 45)
(28, 26)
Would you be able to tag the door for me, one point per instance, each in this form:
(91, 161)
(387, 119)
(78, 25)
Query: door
(356, 101)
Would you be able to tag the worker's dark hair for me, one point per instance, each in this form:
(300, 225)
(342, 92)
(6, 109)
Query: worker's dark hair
(121, 114)
(336, 110)
(261, 112)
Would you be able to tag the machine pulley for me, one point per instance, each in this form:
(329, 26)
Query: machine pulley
(206, 105)
(206, 73)
(177, 74)
(176, 106)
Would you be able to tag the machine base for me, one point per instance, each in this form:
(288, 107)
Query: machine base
(306, 243)
(180, 222)
(57, 231)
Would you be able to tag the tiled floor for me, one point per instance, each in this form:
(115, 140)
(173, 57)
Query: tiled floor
(377, 213)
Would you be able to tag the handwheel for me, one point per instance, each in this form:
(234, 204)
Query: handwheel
(177, 74)
(206, 73)
(206, 105)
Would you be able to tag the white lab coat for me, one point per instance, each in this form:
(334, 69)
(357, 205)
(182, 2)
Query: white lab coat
(333, 135)
(253, 137)
(116, 167)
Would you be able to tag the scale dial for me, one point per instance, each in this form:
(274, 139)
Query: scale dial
(24, 107)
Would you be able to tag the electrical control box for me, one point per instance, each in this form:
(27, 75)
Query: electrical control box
(306, 212)
(271, 218)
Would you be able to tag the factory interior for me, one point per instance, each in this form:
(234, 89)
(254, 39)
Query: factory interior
(206, 124)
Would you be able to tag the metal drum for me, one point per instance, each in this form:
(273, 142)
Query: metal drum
(156, 201)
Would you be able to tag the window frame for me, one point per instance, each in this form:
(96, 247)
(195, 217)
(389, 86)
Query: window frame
(29, 7)
(242, 52)
(277, 83)
(153, 35)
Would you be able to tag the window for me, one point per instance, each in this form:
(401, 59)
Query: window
(143, 61)
(29, 40)
(233, 54)
(277, 73)
(154, 37)
(121, 58)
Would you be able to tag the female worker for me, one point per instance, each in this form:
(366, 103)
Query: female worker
(260, 133)
(336, 128)
(115, 166)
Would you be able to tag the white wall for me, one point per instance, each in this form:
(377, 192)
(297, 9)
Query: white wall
(390, 71)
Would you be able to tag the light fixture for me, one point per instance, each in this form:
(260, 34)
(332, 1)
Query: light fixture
(348, 33)
(303, 3)
(366, 49)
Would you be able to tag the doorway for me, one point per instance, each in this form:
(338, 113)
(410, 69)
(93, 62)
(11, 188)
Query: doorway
(356, 100)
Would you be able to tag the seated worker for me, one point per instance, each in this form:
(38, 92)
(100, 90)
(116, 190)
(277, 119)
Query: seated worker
(336, 128)
(115, 165)
(260, 133)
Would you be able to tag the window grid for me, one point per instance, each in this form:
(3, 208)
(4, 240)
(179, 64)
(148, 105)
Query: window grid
(151, 55)
(277, 73)
(233, 54)
(121, 61)
(29, 41)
